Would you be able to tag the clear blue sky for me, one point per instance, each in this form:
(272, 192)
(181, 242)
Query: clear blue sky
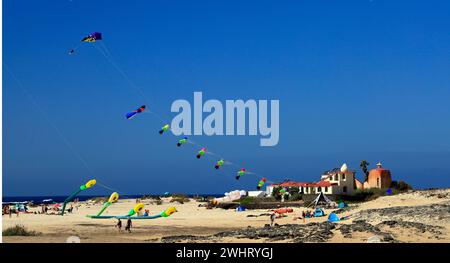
(361, 80)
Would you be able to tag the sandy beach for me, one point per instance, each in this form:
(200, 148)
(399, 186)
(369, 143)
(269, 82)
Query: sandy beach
(418, 216)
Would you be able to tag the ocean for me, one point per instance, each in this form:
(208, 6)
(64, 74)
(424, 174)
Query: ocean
(60, 199)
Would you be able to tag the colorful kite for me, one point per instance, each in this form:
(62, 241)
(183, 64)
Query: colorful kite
(219, 163)
(164, 128)
(92, 37)
(240, 173)
(201, 153)
(83, 187)
(132, 113)
(182, 141)
(138, 210)
(261, 183)
(89, 38)
(112, 199)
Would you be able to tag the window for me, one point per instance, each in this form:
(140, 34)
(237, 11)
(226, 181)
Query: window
(319, 189)
(378, 182)
(345, 189)
(326, 189)
(336, 177)
(343, 176)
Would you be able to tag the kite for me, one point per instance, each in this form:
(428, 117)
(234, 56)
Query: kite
(219, 163)
(201, 153)
(164, 128)
(182, 141)
(83, 187)
(261, 183)
(131, 114)
(138, 210)
(93, 37)
(229, 197)
(112, 199)
(240, 173)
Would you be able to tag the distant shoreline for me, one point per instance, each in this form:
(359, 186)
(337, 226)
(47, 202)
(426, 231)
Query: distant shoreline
(61, 198)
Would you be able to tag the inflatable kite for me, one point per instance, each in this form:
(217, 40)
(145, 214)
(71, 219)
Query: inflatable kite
(137, 210)
(83, 187)
(182, 141)
(240, 173)
(261, 183)
(132, 113)
(164, 128)
(219, 163)
(201, 153)
(229, 197)
(112, 199)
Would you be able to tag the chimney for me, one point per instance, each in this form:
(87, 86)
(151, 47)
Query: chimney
(379, 165)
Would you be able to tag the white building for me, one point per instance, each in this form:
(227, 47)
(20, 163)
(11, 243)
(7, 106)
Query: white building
(336, 181)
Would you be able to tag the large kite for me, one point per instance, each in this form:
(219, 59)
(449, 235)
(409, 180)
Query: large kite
(136, 212)
(112, 199)
(83, 187)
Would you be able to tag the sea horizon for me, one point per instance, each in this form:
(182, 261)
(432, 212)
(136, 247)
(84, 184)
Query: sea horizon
(38, 199)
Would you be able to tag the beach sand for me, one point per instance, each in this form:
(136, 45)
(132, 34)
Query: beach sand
(199, 221)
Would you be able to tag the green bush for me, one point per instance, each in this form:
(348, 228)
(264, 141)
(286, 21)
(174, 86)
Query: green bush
(276, 192)
(19, 230)
(247, 200)
(401, 186)
(293, 190)
(295, 197)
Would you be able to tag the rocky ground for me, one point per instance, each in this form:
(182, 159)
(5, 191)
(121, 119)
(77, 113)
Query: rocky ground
(418, 223)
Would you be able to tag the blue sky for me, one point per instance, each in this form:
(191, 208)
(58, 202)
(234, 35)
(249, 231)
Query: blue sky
(361, 80)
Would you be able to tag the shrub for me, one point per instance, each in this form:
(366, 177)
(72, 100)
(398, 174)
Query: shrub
(401, 186)
(295, 197)
(248, 200)
(19, 230)
(276, 192)
(293, 190)
(180, 199)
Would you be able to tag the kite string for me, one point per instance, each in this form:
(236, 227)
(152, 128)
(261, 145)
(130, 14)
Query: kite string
(52, 124)
(107, 54)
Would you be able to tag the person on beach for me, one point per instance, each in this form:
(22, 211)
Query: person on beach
(129, 225)
(272, 219)
(119, 225)
(303, 215)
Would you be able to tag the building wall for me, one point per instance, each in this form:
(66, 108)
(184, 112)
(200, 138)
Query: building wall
(379, 179)
(343, 180)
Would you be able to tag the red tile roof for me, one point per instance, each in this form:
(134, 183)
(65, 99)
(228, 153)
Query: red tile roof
(303, 184)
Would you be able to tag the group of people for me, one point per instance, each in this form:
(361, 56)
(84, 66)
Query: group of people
(127, 227)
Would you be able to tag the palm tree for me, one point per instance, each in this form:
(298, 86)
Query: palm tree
(363, 165)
